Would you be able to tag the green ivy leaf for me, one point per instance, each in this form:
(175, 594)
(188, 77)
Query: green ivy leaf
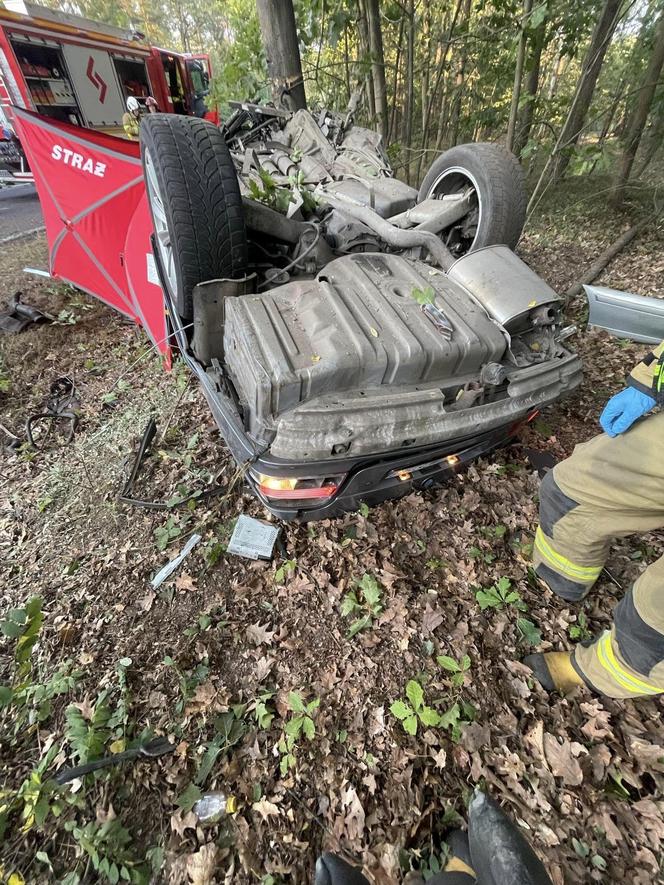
(447, 663)
(450, 717)
(295, 702)
(530, 633)
(401, 710)
(415, 694)
(429, 716)
(188, 798)
(359, 624)
(424, 296)
(410, 725)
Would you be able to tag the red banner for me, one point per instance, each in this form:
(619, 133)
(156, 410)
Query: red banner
(97, 219)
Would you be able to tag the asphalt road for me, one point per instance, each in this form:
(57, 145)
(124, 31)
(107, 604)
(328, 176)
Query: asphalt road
(20, 212)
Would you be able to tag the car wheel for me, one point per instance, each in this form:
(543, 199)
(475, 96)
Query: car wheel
(195, 202)
(495, 181)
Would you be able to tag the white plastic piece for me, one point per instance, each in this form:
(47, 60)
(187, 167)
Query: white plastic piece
(253, 539)
(170, 567)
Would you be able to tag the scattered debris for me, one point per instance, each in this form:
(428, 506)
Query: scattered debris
(18, 315)
(253, 538)
(126, 496)
(211, 807)
(157, 747)
(170, 567)
(60, 407)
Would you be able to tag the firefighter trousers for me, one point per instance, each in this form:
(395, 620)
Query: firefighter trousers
(609, 488)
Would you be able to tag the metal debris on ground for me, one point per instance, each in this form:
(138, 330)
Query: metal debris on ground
(18, 316)
(157, 747)
(60, 407)
(170, 567)
(126, 496)
(253, 539)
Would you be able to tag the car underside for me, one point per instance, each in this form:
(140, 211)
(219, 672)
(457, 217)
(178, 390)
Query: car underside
(354, 337)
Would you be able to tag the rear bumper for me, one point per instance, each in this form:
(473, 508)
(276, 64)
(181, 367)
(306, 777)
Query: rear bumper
(377, 479)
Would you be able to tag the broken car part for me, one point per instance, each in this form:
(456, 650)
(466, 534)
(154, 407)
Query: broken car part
(60, 408)
(252, 538)
(625, 315)
(19, 315)
(165, 573)
(126, 496)
(156, 747)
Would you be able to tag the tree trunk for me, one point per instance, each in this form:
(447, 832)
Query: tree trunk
(284, 67)
(377, 65)
(365, 48)
(407, 121)
(532, 85)
(395, 82)
(518, 75)
(608, 122)
(640, 113)
(592, 65)
(653, 143)
(460, 76)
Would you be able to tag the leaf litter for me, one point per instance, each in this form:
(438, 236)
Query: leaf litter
(229, 642)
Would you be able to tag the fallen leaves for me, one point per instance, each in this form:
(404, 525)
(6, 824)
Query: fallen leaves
(561, 757)
(265, 808)
(259, 634)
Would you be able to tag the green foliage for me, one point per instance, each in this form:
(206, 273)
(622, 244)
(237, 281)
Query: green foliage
(364, 606)
(499, 595)
(299, 724)
(458, 669)
(109, 847)
(229, 730)
(264, 714)
(412, 710)
(285, 571)
(530, 634)
(580, 631)
(168, 532)
(24, 625)
(424, 296)
(87, 738)
(486, 556)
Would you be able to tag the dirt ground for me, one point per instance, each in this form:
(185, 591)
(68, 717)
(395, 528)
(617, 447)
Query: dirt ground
(211, 656)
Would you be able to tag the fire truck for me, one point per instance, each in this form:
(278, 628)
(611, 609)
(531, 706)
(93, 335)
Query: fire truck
(69, 68)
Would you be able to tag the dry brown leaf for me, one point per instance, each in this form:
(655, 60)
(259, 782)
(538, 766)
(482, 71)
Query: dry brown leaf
(561, 759)
(651, 756)
(259, 634)
(181, 821)
(265, 808)
(431, 619)
(185, 582)
(86, 707)
(201, 866)
(354, 819)
(475, 736)
(146, 602)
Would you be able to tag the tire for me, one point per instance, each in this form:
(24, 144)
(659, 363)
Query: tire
(195, 203)
(499, 181)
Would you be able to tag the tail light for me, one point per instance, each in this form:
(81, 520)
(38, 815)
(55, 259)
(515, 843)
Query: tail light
(298, 488)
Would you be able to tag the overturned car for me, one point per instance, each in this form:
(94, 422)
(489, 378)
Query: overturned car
(354, 337)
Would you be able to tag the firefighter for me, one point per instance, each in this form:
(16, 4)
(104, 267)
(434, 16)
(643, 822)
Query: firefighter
(131, 119)
(610, 487)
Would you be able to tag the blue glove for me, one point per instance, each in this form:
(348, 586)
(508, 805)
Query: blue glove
(623, 409)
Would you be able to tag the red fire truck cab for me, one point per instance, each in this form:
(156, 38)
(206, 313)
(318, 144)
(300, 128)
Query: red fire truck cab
(72, 69)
